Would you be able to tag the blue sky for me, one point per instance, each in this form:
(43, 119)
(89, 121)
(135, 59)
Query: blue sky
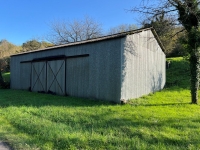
(23, 20)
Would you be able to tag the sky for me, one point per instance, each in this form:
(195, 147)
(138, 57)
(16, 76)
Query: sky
(23, 20)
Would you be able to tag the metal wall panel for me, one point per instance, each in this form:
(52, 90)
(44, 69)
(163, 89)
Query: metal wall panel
(105, 71)
(25, 76)
(77, 76)
(99, 76)
(16, 75)
(143, 62)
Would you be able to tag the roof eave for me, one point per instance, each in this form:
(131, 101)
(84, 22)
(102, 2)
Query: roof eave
(158, 39)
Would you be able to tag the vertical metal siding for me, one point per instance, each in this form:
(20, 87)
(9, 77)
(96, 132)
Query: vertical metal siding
(144, 65)
(18, 71)
(105, 70)
(98, 76)
(25, 76)
(77, 76)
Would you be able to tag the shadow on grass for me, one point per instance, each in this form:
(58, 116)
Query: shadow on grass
(104, 130)
(24, 98)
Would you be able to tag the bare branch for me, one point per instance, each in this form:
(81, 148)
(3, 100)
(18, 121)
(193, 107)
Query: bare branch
(177, 33)
(78, 30)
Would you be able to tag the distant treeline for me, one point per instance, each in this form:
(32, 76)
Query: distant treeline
(7, 49)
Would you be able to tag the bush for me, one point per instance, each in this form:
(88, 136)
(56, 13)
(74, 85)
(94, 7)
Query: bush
(5, 85)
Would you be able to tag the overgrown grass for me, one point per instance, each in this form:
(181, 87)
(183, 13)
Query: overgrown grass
(164, 120)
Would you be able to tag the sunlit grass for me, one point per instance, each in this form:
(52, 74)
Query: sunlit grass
(6, 76)
(163, 120)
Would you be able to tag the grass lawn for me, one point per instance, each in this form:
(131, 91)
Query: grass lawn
(6, 76)
(163, 120)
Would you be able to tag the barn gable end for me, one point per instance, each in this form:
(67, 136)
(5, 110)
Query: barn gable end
(111, 68)
(143, 65)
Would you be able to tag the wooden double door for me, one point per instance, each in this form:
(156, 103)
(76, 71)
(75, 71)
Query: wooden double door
(48, 76)
(63, 77)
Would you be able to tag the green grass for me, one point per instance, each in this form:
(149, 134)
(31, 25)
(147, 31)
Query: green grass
(164, 120)
(6, 76)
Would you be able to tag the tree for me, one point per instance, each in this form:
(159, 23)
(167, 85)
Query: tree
(2, 83)
(45, 44)
(122, 28)
(31, 45)
(1, 80)
(187, 14)
(77, 30)
(166, 31)
(7, 48)
(34, 45)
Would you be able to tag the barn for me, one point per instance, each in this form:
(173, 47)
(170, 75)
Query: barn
(113, 68)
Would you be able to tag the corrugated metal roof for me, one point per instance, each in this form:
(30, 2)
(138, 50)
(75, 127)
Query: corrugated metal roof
(118, 35)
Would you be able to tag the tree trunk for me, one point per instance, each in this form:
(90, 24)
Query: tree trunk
(194, 72)
(1, 80)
